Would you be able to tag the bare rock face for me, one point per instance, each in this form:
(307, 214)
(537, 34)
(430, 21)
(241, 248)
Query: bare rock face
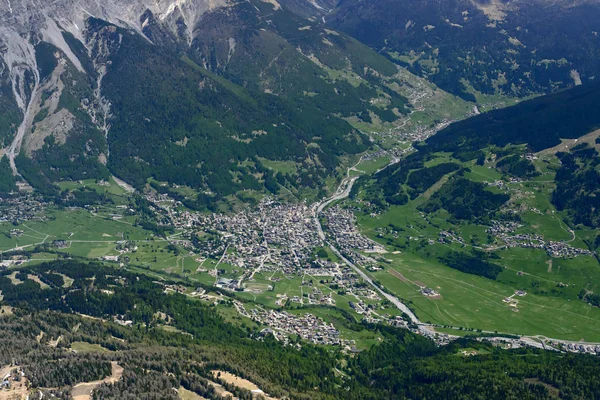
(25, 23)
(23, 15)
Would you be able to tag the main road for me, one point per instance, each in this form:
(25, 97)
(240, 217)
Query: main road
(342, 192)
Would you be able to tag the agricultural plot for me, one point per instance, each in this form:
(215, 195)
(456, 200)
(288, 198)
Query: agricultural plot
(549, 278)
(474, 302)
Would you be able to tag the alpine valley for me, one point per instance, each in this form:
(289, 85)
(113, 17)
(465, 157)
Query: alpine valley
(299, 199)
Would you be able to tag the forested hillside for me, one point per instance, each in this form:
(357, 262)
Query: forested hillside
(154, 361)
(539, 123)
(297, 58)
(514, 48)
(200, 129)
(578, 185)
(254, 81)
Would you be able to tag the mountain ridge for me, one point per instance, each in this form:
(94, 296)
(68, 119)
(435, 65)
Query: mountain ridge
(64, 42)
(515, 48)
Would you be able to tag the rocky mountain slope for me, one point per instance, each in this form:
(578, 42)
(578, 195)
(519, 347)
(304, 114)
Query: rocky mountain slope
(91, 89)
(204, 93)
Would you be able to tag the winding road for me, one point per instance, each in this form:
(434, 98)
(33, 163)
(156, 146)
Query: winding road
(342, 192)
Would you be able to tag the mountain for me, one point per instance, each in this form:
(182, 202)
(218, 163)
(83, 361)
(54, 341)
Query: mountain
(539, 123)
(503, 202)
(190, 93)
(515, 48)
(531, 126)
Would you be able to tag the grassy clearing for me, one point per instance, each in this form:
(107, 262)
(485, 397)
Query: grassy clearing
(84, 347)
(73, 226)
(371, 166)
(474, 302)
(110, 186)
(285, 167)
(185, 394)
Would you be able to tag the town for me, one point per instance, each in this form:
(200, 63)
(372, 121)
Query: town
(283, 238)
(504, 231)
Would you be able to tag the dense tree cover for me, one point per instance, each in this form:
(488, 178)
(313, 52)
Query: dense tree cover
(466, 200)
(45, 365)
(471, 264)
(139, 385)
(394, 184)
(155, 362)
(34, 176)
(590, 298)
(7, 180)
(530, 49)
(179, 123)
(389, 181)
(10, 115)
(423, 179)
(270, 54)
(517, 165)
(578, 185)
(540, 123)
(441, 374)
(83, 197)
(45, 60)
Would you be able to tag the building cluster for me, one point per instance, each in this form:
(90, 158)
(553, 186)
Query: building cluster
(449, 237)
(306, 326)
(22, 208)
(421, 133)
(501, 184)
(548, 344)
(503, 227)
(533, 241)
(341, 226)
(429, 292)
(315, 296)
(14, 233)
(13, 380)
(273, 236)
(587, 348)
(441, 339)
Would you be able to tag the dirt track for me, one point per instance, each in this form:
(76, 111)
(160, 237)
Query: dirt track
(398, 275)
(83, 391)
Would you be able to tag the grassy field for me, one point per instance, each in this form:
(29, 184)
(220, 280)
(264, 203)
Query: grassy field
(474, 302)
(285, 167)
(74, 226)
(185, 394)
(95, 235)
(371, 166)
(550, 308)
(109, 186)
(84, 347)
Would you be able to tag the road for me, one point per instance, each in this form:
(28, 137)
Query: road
(342, 192)
(392, 299)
